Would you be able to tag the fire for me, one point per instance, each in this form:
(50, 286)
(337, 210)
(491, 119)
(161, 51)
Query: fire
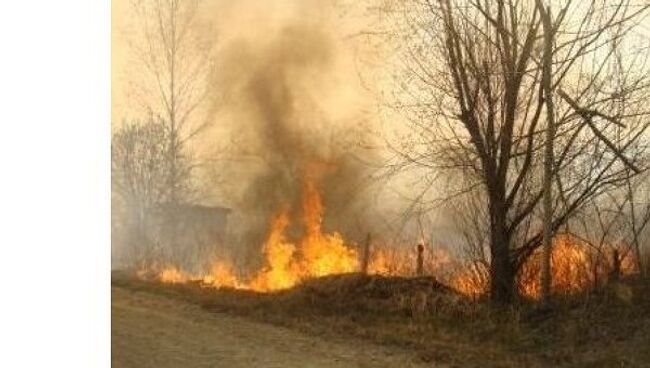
(381, 264)
(390, 262)
(571, 269)
(323, 254)
(575, 267)
(221, 275)
(286, 264)
(280, 271)
(173, 275)
(317, 254)
(393, 261)
(472, 279)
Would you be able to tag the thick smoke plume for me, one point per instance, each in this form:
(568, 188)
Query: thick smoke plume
(293, 112)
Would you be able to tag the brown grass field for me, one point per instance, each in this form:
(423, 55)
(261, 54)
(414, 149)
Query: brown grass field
(355, 320)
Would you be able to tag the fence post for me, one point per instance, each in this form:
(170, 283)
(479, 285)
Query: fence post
(365, 257)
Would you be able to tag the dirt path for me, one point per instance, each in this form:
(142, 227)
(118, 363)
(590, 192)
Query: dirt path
(155, 331)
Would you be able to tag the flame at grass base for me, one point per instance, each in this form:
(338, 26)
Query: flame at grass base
(316, 254)
(575, 267)
(173, 275)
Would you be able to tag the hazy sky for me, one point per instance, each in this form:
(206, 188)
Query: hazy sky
(335, 98)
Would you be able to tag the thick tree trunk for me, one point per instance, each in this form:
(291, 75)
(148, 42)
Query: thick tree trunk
(502, 274)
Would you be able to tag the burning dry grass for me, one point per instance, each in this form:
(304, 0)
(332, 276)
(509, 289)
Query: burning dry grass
(173, 275)
(287, 263)
(312, 284)
(317, 254)
(392, 261)
(576, 267)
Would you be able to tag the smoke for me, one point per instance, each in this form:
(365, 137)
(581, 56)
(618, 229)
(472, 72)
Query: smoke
(296, 109)
(292, 93)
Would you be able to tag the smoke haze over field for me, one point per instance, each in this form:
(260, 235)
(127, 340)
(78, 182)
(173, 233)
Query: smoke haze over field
(279, 93)
(288, 102)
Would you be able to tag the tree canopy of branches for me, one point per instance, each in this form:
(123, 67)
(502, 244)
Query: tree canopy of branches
(140, 170)
(171, 70)
(471, 78)
(173, 61)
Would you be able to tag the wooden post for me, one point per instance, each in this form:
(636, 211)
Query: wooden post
(365, 257)
(420, 261)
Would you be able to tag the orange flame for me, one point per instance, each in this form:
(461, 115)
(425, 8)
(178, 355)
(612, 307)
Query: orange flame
(221, 275)
(402, 261)
(575, 267)
(317, 254)
(173, 275)
(472, 280)
(280, 271)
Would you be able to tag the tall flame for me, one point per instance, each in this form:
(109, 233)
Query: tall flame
(280, 271)
(286, 264)
(318, 254)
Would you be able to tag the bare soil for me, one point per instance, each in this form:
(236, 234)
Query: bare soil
(150, 330)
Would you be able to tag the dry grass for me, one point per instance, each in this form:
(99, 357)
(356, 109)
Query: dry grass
(607, 328)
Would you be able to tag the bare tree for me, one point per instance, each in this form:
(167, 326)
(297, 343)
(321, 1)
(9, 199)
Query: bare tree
(139, 173)
(638, 194)
(469, 215)
(602, 225)
(173, 63)
(472, 89)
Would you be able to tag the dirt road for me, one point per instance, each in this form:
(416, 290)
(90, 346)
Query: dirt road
(156, 331)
